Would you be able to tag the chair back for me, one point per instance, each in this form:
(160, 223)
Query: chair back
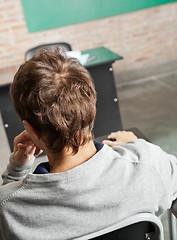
(143, 226)
(172, 221)
(31, 52)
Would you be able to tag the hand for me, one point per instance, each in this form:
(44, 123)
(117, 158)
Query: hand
(24, 149)
(120, 137)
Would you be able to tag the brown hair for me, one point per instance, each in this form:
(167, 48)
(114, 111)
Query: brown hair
(56, 95)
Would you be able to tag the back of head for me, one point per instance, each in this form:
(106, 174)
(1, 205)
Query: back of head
(56, 95)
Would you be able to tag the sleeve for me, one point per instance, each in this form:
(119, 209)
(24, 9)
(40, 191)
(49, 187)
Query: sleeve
(166, 166)
(14, 172)
(163, 163)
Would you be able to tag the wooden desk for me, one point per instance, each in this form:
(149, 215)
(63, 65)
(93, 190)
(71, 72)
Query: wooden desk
(108, 114)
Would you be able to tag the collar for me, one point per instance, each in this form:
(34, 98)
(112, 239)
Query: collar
(44, 167)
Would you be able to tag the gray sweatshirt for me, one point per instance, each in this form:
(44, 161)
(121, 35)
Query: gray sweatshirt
(109, 187)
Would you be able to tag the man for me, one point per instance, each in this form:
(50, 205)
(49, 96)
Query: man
(86, 186)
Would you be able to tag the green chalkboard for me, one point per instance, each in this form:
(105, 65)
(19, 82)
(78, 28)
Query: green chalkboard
(47, 14)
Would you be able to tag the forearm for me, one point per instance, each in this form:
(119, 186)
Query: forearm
(14, 172)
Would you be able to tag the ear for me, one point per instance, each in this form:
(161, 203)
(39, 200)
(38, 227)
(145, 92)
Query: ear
(31, 130)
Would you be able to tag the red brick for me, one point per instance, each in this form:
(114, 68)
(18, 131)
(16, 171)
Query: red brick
(17, 27)
(142, 59)
(142, 37)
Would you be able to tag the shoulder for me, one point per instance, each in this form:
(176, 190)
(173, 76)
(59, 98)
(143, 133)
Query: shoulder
(136, 151)
(9, 189)
(143, 151)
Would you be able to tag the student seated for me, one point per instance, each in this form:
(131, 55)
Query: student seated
(86, 185)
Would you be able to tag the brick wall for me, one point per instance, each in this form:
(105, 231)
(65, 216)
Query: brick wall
(146, 37)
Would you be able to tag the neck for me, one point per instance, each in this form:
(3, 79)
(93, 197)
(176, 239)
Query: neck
(65, 160)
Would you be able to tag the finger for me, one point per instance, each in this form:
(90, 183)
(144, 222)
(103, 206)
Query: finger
(114, 134)
(111, 135)
(20, 154)
(30, 149)
(109, 143)
(25, 150)
(21, 138)
(38, 151)
(21, 146)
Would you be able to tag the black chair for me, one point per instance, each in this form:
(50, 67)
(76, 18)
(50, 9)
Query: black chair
(30, 53)
(172, 221)
(143, 226)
